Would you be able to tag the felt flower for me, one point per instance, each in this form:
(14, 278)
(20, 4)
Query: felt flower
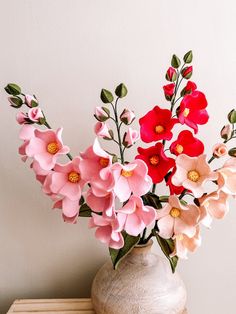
(67, 180)
(192, 110)
(130, 179)
(26, 134)
(227, 177)
(135, 216)
(169, 91)
(104, 204)
(157, 125)
(184, 244)
(226, 132)
(45, 147)
(219, 150)
(157, 162)
(96, 168)
(30, 101)
(130, 137)
(173, 188)
(40, 173)
(192, 173)
(101, 129)
(175, 218)
(108, 231)
(187, 144)
(127, 116)
(171, 74)
(190, 87)
(187, 72)
(35, 114)
(213, 205)
(70, 209)
(21, 117)
(101, 114)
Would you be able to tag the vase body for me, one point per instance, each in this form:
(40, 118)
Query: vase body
(142, 284)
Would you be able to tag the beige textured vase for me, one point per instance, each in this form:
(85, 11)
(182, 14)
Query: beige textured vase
(142, 284)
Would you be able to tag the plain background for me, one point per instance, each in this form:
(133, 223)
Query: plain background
(65, 51)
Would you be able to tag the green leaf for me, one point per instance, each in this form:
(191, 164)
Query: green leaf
(175, 62)
(16, 102)
(118, 255)
(85, 211)
(188, 57)
(152, 199)
(106, 96)
(121, 90)
(13, 89)
(232, 116)
(167, 246)
(232, 152)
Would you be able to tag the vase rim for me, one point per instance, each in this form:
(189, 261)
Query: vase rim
(145, 245)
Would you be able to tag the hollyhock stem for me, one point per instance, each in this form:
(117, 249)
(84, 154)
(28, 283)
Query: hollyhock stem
(118, 130)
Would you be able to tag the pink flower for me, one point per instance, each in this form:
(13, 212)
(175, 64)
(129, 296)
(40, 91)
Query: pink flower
(101, 114)
(131, 137)
(192, 173)
(26, 134)
(227, 177)
(108, 231)
(45, 147)
(70, 209)
(226, 132)
(183, 244)
(131, 178)
(127, 116)
(67, 180)
(104, 204)
(29, 100)
(21, 117)
(175, 218)
(219, 150)
(135, 216)
(40, 173)
(213, 205)
(96, 168)
(101, 129)
(35, 114)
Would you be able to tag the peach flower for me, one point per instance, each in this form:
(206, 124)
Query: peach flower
(183, 244)
(192, 173)
(175, 218)
(227, 177)
(219, 150)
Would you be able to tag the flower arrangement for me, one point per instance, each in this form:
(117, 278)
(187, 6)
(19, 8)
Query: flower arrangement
(121, 197)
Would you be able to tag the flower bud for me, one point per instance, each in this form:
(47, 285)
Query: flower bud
(21, 117)
(101, 129)
(121, 90)
(187, 72)
(226, 132)
(127, 116)
(16, 102)
(169, 90)
(219, 150)
(13, 89)
(188, 57)
(31, 101)
(130, 137)
(102, 114)
(232, 116)
(106, 96)
(175, 62)
(232, 152)
(171, 74)
(189, 88)
(35, 114)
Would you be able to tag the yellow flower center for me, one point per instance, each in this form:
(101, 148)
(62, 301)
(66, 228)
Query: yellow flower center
(179, 148)
(104, 162)
(154, 160)
(159, 129)
(175, 212)
(186, 112)
(193, 175)
(52, 148)
(74, 177)
(126, 173)
(179, 237)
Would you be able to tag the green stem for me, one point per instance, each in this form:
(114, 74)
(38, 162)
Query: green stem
(118, 130)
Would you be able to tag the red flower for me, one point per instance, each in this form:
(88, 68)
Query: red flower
(157, 162)
(190, 87)
(187, 144)
(157, 125)
(192, 110)
(171, 74)
(169, 90)
(187, 72)
(173, 188)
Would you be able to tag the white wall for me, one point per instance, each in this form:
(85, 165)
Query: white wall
(65, 51)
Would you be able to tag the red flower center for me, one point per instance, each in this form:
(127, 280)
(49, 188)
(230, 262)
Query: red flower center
(104, 162)
(52, 148)
(74, 177)
(159, 129)
(154, 160)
